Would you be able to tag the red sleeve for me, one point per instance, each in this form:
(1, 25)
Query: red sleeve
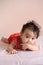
(10, 38)
(13, 37)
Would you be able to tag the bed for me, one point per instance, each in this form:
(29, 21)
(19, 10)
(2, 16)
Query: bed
(22, 57)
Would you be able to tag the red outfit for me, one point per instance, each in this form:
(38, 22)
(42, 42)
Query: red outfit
(16, 39)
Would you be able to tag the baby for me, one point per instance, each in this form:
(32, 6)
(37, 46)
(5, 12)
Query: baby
(25, 40)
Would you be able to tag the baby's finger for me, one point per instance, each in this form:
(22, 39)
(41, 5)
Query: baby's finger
(13, 52)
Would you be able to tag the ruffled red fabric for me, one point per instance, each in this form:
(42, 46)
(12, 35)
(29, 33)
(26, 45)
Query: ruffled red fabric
(16, 38)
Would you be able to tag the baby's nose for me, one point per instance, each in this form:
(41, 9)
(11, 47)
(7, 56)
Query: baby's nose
(29, 41)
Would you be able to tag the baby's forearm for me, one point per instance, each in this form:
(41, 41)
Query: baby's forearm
(10, 47)
(33, 47)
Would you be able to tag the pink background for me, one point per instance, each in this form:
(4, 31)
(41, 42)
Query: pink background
(14, 13)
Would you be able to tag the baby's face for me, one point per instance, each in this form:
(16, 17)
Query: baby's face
(28, 37)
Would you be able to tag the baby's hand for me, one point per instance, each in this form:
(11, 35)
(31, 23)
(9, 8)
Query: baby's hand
(31, 47)
(11, 51)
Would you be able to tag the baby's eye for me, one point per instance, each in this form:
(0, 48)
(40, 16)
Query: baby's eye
(27, 36)
(33, 38)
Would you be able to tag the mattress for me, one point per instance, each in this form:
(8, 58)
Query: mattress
(22, 57)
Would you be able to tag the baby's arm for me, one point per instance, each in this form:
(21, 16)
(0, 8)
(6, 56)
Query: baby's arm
(11, 49)
(31, 47)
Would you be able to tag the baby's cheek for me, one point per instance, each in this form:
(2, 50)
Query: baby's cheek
(30, 42)
(24, 40)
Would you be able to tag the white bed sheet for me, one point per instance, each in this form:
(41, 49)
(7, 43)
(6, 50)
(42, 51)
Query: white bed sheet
(22, 57)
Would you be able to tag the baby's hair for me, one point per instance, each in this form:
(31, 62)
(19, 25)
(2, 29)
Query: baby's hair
(32, 25)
